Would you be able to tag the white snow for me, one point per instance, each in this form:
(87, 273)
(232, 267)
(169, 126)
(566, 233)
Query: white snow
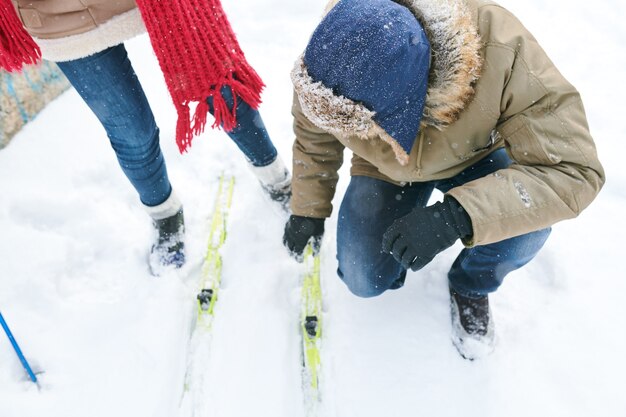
(76, 291)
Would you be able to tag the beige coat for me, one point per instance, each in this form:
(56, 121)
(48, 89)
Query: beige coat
(491, 86)
(70, 29)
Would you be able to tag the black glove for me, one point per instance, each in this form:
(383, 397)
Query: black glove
(298, 231)
(415, 239)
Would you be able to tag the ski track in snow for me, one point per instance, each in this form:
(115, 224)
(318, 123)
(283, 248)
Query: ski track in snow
(112, 340)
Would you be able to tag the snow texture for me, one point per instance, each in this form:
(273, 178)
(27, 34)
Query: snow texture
(112, 339)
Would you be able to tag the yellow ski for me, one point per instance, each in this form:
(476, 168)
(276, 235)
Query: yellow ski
(194, 393)
(311, 329)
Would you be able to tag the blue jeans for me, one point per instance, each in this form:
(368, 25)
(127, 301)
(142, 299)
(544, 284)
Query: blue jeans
(250, 134)
(370, 206)
(108, 84)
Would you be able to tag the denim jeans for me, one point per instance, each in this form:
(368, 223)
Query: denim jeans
(108, 84)
(250, 134)
(370, 206)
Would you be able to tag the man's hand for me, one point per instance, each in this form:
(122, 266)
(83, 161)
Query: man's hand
(415, 239)
(298, 231)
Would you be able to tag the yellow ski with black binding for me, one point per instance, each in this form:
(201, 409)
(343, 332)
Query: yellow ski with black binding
(194, 392)
(311, 329)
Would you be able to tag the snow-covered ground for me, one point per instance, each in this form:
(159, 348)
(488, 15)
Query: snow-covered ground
(112, 339)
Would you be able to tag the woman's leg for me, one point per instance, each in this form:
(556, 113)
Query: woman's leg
(108, 84)
(251, 136)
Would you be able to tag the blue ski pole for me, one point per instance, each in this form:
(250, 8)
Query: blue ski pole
(20, 355)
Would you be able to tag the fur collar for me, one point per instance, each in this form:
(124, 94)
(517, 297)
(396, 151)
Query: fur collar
(456, 61)
(455, 67)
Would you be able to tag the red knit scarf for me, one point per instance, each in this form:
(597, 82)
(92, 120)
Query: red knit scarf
(16, 46)
(196, 49)
(199, 54)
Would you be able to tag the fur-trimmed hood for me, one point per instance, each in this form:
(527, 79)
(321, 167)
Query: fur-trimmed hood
(455, 67)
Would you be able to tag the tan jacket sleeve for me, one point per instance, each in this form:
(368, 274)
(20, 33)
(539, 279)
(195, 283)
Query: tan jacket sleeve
(317, 156)
(556, 173)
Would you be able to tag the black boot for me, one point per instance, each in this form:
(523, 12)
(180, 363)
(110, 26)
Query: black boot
(472, 326)
(169, 249)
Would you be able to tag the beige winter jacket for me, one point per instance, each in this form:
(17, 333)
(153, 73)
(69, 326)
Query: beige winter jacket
(70, 29)
(491, 86)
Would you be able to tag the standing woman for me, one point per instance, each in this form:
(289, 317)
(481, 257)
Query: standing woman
(202, 63)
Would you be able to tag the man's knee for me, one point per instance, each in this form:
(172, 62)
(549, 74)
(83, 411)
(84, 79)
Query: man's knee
(363, 283)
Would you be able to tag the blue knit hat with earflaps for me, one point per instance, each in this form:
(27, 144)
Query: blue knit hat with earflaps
(374, 52)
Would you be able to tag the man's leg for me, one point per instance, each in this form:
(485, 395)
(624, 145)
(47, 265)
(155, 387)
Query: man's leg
(480, 270)
(367, 210)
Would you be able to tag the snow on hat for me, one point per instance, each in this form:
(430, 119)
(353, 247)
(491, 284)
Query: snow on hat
(374, 56)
